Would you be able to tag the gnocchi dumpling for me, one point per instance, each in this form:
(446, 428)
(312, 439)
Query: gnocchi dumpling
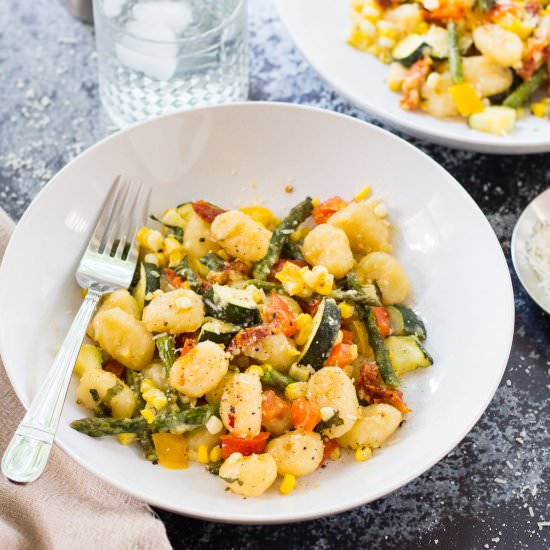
(276, 350)
(124, 338)
(503, 47)
(331, 387)
(328, 246)
(436, 98)
(119, 298)
(365, 230)
(389, 274)
(375, 424)
(298, 453)
(249, 476)
(102, 392)
(197, 239)
(241, 405)
(240, 236)
(199, 370)
(177, 311)
(488, 78)
(215, 395)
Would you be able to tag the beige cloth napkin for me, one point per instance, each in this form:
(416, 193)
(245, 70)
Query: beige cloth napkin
(67, 508)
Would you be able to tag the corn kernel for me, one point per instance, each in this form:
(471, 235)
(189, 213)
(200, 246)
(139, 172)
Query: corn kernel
(421, 28)
(126, 439)
(171, 217)
(367, 29)
(214, 425)
(346, 310)
(262, 215)
(288, 484)
(152, 395)
(363, 453)
(171, 244)
(327, 413)
(381, 210)
(363, 194)
(511, 23)
(255, 369)
(315, 201)
(541, 109)
(296, 390)
(304, 322)
(148, 414)
(202, 454)
(83, 292)
(216, 454)
(176, 258)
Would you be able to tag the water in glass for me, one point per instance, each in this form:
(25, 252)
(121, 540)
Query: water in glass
(157, 56)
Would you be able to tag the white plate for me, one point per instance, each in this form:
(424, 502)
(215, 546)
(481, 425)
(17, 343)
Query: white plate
(232, 155)
(319, 29)
(538, 210)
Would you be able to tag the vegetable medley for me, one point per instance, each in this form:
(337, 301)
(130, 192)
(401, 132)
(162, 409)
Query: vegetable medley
(480, 59)
(256, 346)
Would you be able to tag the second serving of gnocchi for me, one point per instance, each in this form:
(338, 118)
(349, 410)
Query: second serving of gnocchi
(259, 347)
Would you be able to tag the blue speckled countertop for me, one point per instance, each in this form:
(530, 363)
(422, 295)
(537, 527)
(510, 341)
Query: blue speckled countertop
(492, 490)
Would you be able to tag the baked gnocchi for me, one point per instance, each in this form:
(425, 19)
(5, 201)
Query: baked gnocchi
(257, 353)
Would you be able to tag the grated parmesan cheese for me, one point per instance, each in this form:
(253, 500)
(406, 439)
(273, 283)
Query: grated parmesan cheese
(537, 253)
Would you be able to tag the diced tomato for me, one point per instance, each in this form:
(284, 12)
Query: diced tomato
(173, 278)
(188, 345)
(244, 445)
(382, 320)
(330, 446)
(311, 307)
(501, 8)
(115, 367)
(247, 337)
(413, 81)
(341, 355)
(273, 406)
(206, 211)
(445, 12)
(236, 265)
(279, 317)
(279, 264)
(546, 56)
(304, 414)
(325, 210)
(533, 8)
(368, 374)
(377, 394)
(347, 337)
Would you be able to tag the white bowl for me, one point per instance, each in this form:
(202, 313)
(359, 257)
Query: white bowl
(236, 154)
(319, 29)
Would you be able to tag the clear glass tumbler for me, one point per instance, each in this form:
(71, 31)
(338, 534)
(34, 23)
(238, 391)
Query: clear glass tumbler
(157, 56)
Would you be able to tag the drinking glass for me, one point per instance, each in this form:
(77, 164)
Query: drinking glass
(157, 56)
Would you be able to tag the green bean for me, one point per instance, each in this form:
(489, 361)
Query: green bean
(455, 60)
(276, 379)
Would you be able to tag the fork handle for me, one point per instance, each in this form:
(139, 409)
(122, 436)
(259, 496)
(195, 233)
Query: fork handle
(27, 453)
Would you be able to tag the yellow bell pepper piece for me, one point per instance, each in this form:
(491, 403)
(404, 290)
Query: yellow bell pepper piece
(171, 450)
(466, 99)
(261, 215)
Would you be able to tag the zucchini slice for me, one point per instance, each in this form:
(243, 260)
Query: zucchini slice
(232, 305)
(185, 211)
(405, 321)
(326, 325)
(406, 354)
(494, 120)
(149, 281)
(218, 331)
(438, 40)
(411, 49)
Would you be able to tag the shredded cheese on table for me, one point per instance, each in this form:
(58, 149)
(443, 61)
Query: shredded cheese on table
(537, 253)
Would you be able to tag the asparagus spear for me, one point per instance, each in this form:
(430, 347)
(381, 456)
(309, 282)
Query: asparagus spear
(338, 294)
(212, 261)
(280, 236)
(524, 91)
(376, 340)
(177, 422)
(272, 377)
(485, 5)
(455, 61)
(293, 251)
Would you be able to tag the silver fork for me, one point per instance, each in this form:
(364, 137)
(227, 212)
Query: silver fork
(107, 265)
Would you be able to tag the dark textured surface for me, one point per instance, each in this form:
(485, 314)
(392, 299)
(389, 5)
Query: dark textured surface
(50, 112)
